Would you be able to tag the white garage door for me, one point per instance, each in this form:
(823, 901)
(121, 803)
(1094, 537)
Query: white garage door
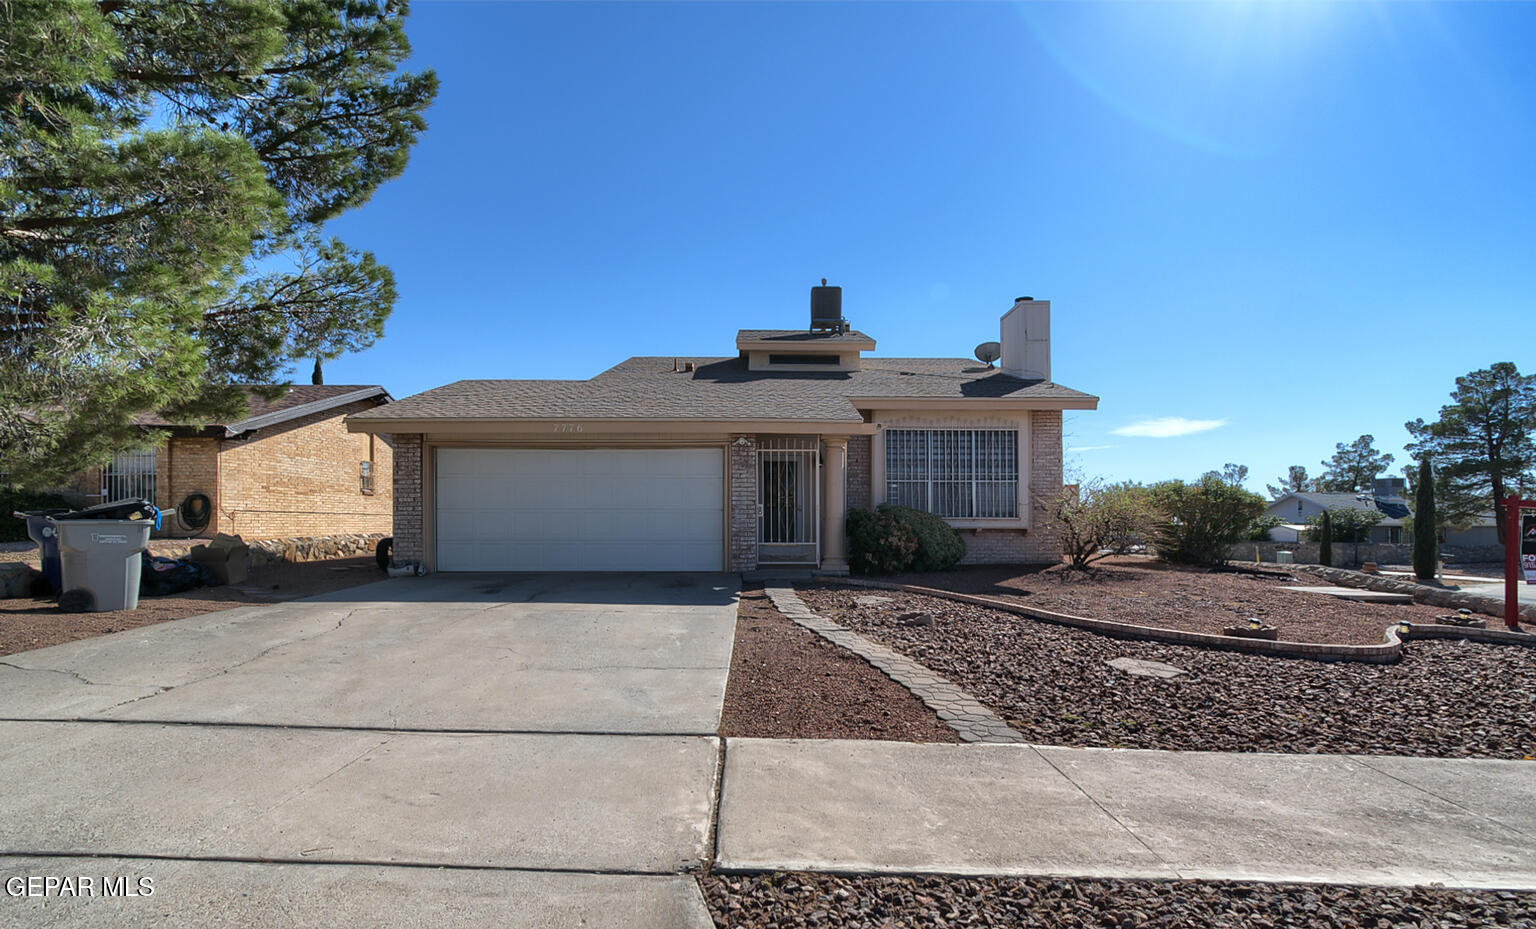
(502, 509)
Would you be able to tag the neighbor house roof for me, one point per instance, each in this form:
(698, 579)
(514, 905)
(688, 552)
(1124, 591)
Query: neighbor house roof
(723, 389)
(1334, 501)
(298, 401)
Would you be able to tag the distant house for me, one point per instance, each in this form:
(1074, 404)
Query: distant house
(1295, 510)
(289, 467)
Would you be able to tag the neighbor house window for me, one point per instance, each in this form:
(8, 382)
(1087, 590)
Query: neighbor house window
(365, 477)
(129, 475)
(955, 473)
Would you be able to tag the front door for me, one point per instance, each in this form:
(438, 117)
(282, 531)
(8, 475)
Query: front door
(787, 502)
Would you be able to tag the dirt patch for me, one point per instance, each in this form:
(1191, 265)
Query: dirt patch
(1444, 698)
(786, 682)
(29, 624)
(1139, 590)
(801, 899)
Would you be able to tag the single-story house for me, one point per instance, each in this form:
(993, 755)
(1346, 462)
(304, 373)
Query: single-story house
(289, 467)
(732, 462)
(1386, 496)
(1296, 509)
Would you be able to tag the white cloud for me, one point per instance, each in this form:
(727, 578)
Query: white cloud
(1166, 427)
(1088, 448)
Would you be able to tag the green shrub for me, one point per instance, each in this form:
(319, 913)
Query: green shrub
(11, 500)
(1258, 530)
(1196, 523)
(879, 543)
(938, 546)
(1346, 524)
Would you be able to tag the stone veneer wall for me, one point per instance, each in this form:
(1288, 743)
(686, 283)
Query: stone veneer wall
(295, 550)
(860, 493)
(409, 543)
(742, 466)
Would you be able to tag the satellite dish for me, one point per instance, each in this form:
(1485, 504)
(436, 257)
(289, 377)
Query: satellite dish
(988, 352)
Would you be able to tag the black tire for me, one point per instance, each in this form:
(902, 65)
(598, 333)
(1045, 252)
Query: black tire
(77, 600)
(382, 553)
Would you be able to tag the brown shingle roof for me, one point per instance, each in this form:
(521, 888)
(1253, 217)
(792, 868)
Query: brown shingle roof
(799, 335)
(299, 400)
(720, 388)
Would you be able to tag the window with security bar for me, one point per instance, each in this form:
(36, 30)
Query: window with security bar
(129, 475)
(954, 473)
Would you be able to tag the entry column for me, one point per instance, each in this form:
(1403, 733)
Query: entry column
(834, 504)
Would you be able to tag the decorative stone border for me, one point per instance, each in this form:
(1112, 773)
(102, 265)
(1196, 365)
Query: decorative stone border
(1388, 652)
(974, 722)
(309, 548)
(1423, 593)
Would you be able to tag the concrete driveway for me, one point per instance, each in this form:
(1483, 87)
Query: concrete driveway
(523, 724)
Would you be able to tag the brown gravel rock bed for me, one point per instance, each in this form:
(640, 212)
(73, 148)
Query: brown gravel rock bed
(871, 902)
(28, 624)
(1137, 589)
(1444, 699)
(786, 682)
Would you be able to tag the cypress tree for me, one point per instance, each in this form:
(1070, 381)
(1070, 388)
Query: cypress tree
(1325, 541)
(1426, 551)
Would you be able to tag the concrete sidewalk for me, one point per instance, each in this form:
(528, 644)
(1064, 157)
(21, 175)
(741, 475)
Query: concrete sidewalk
(497, 750)
(1024, 810)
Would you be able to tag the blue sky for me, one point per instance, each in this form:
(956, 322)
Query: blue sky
(1300, 221)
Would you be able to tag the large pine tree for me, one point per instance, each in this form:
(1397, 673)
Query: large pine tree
(165, 169)
(1483, 444)
(1354, 466)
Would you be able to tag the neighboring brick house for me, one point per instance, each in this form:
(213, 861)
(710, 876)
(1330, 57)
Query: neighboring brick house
(735, 462)
(288, 468)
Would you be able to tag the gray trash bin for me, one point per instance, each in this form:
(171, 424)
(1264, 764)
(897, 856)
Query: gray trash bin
(102, 556)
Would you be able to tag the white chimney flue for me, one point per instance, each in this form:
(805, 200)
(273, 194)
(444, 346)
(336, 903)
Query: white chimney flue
(1026, 339)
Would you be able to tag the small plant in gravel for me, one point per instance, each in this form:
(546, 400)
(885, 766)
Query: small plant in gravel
(938, 546)
(879, 543)
(1196, 523)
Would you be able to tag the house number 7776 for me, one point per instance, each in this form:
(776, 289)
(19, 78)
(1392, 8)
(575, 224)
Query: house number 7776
(568, 427)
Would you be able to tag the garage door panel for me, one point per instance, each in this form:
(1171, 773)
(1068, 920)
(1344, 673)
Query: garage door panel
(586, 509)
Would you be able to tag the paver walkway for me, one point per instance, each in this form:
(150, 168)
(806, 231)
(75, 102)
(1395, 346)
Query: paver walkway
(1014, 809)
(964, 713)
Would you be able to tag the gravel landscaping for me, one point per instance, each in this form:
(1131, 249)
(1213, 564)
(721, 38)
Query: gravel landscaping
(1137, 589)
(788, 682)
(27, 624)
(869, 902)
(1444, 699)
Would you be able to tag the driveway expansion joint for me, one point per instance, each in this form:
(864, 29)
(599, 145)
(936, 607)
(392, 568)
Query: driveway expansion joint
(959, 710)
